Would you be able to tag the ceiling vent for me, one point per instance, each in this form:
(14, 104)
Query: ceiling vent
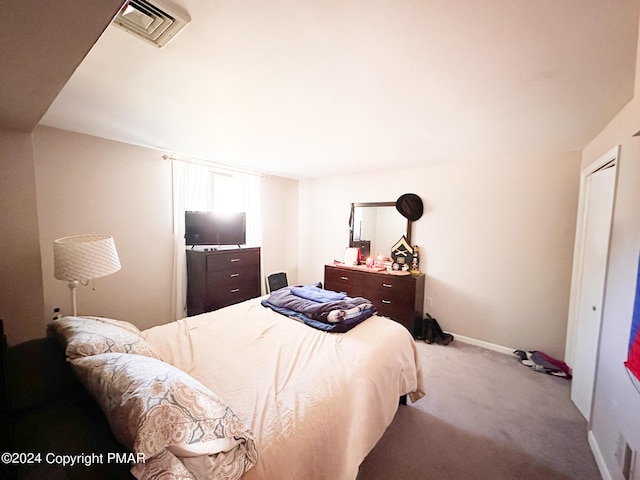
(154, 22)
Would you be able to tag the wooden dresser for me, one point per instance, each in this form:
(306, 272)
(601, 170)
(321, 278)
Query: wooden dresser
(219, 278)
(399, 297)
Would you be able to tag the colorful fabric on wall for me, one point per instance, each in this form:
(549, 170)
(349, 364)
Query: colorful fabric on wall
(633, 361)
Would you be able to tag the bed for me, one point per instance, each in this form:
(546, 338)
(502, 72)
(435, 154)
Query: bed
(277, 399)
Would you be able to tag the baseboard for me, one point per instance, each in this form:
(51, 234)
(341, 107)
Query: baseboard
(487, 345)
(595, 449)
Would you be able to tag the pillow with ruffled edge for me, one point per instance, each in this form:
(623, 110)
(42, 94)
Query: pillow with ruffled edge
(165, 466)
(86, 336)
(152, 406)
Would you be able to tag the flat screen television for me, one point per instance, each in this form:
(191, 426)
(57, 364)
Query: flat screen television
(212, 228)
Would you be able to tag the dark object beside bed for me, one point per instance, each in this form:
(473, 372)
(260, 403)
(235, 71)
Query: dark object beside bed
(45, 410)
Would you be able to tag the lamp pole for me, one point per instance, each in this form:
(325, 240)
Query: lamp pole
(72, 287)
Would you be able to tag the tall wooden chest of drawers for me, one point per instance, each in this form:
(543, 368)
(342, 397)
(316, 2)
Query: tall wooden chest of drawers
(218, 278)
(399, 297)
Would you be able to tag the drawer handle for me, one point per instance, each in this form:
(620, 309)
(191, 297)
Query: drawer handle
(234, 275)
(344, 278)
(235, 290)
(235, 260)
(387, 302)
(388, 285)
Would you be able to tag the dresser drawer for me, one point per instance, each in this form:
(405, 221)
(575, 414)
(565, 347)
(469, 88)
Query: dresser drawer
(393, 305)
(231, 277)
(345, 281)
(347, 289)
(237, 259)
(399, 297)
(219, 297)
(343, 276)
(389, 283)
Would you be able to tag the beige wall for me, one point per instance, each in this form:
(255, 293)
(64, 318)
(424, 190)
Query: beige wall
(280, 226)
(21, 278)
(91, 185)
(496, 241)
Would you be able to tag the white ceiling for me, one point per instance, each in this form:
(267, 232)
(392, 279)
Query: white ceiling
(306, 88)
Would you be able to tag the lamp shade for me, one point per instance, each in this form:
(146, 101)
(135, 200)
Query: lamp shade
(84, 257)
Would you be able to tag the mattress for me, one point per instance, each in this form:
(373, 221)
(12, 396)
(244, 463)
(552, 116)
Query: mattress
(317, 402)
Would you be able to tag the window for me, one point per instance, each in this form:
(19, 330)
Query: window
(205, 187)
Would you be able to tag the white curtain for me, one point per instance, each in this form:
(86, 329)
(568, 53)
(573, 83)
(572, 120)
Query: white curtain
(191, 191)
(203, 187)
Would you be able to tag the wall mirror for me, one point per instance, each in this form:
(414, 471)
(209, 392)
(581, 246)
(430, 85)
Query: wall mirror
(376, 227)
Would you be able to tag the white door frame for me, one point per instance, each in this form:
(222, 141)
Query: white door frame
(578, 252)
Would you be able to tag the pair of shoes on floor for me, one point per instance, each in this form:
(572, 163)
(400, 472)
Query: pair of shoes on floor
(433, 333)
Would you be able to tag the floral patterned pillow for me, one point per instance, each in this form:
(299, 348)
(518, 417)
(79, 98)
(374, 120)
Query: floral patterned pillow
(153, 407)
(165, 465)
(86, 336)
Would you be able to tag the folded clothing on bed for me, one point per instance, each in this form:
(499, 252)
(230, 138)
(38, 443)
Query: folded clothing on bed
(321, 309)
(317, 294)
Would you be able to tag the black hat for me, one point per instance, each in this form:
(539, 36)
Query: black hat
(410, 206)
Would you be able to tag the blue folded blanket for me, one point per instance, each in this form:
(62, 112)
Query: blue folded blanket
(339, 315)
(317, 294)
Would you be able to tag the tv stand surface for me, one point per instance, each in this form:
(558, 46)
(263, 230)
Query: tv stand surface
(215, 248)
(219, 278)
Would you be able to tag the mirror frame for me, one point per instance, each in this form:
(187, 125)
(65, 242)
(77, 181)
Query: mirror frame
(374, 204)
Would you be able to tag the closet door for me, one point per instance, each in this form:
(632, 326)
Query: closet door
(595, 230)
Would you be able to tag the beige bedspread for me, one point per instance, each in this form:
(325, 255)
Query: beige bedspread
(317, 402)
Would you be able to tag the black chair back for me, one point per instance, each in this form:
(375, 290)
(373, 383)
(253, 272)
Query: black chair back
(276, 281)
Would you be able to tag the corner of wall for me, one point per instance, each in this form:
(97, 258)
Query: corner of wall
(21, 289)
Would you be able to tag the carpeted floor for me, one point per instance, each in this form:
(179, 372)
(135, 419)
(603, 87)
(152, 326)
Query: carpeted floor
(486, 417)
